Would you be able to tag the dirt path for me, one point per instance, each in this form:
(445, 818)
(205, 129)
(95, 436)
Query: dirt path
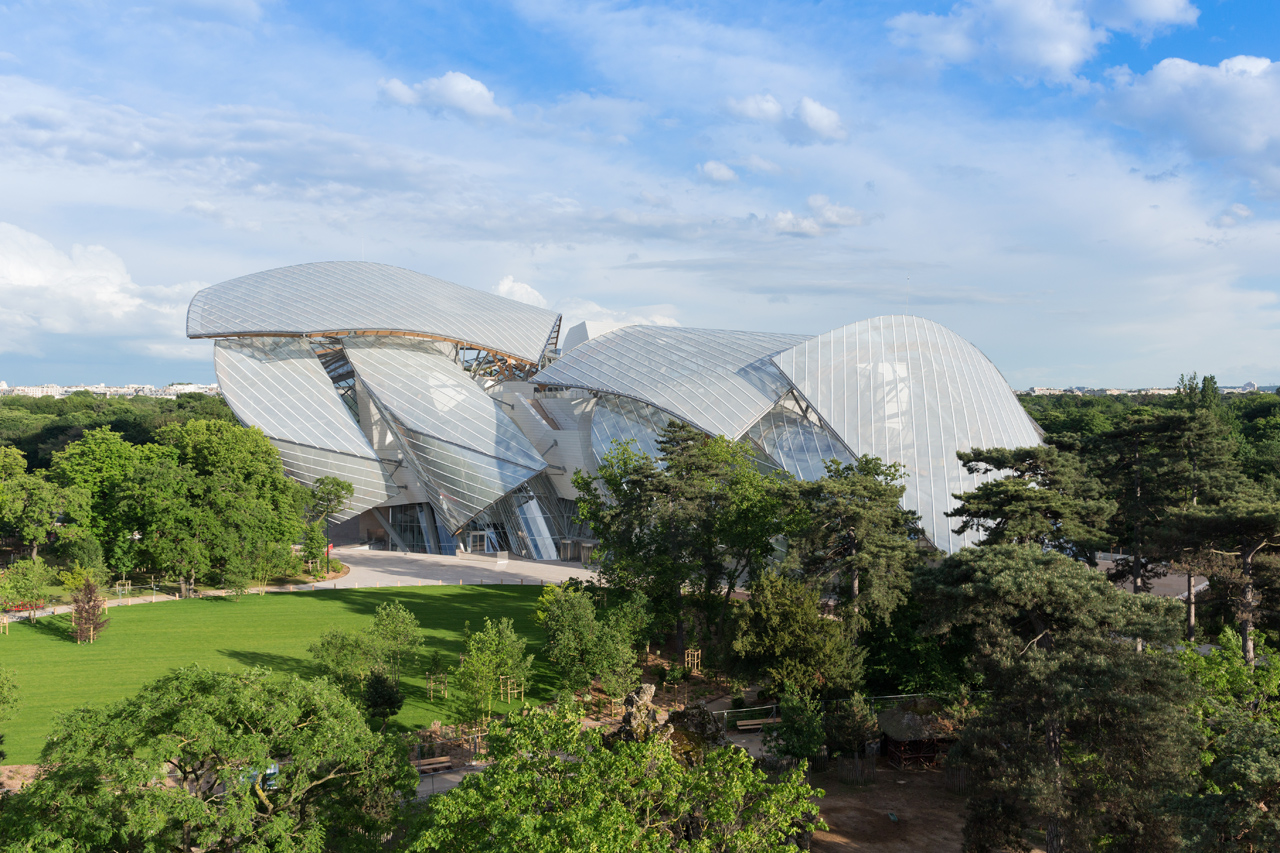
(929, 817)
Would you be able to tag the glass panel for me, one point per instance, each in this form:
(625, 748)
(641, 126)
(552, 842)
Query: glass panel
(911, 391)
(431, 395)
(720, 382)
(359, 296)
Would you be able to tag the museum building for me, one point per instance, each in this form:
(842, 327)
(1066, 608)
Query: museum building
(460, 419)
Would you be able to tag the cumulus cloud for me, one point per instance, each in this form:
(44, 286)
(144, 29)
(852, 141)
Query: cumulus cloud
(809, 121)
(758, 108)
(519, 291)
(575, 311)
(823, 215)
(1231, 109)
(45, 293)
(756, 163)
(1232, 216)
(714, 170)
(822, 122)
(452, 91)
(1033, 39)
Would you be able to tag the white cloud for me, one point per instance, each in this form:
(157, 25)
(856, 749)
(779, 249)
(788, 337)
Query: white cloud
(809, 121)
(1230, 109)
(757, 108)
(453, 91)
(45, 293)
(1033, 39)
(519, 291)
(756, 163)
(787, 222)
(833, 214)
(823, 216)
(575, 310)
(1232, 216)
(714, 170)
(823, 122)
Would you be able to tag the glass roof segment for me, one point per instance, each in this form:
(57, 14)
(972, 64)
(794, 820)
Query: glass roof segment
(719, 381)
(368, 477)
(622, 419)
(800, 446)
(911, 391)
(337, 296)
(430, 394)
(279, 386)
(462, 483)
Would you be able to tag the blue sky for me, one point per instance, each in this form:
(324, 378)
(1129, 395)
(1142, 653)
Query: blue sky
(1086, 189)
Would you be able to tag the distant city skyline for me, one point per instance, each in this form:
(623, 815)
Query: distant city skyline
(1087, 191)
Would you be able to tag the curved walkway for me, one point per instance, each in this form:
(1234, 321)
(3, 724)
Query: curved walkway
(387, 568)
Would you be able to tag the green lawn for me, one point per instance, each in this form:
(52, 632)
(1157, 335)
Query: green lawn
(144, 641)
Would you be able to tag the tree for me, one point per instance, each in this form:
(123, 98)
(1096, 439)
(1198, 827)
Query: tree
(22, 584)
(800, 732)
(1242, 528)
(101, 463)
(1080, 727)
(1046, 498)
(314, 544)
(382, 697)
(211, 508)
(784, 636)
(327, 497)
(396, 635)
(584, 647)
(1234, 805)
(207, 761)
(556, 786)
(88, 611)
(849, 726)
(1154, 462)
(383, 647)
(490, 653)
(34, 509)
(849, 526)
(701, 515)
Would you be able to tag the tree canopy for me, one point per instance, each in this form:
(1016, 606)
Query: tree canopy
(555, 786)
(210, 761)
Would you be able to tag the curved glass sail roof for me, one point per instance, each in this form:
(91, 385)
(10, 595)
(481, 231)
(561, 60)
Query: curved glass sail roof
(911, 391)
(799, 446)
(279, 386)
(355, 296)
(457, 438)
(720, 382)
(429, 393)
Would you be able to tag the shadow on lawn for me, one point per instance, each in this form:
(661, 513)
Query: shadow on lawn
(54, 626)
(276, 663)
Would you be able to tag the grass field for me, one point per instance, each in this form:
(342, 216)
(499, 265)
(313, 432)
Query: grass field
(145, 641)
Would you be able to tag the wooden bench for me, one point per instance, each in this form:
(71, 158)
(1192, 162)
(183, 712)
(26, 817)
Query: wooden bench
(427, 766)
(755, 725)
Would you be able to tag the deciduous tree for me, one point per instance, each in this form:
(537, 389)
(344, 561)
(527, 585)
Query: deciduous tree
(210, 761)
(556, 786)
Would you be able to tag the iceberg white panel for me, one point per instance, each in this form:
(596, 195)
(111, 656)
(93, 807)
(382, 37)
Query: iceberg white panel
(910, 391)
(720, 382)
(797, 444)
(430, 394)
(279, 386)
(358, 296)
